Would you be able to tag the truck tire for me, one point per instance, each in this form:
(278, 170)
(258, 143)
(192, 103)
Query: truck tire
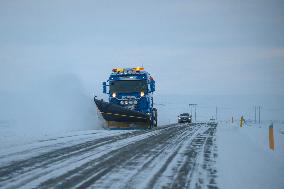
(155, 117)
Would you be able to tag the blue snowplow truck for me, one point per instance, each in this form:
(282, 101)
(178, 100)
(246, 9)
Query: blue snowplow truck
(130, 102)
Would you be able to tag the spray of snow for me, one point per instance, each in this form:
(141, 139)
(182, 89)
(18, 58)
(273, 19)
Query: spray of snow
(53, 104)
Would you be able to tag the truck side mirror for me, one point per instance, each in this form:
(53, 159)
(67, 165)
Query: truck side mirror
(152, 86)
(104, 87)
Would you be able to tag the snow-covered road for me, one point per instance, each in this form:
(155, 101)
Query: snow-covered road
(175, 156)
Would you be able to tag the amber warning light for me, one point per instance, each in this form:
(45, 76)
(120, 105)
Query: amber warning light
(138, 69)
(118, 70)
(121, 70)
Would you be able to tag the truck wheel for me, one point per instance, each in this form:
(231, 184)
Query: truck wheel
(151, 123)
(155, 117)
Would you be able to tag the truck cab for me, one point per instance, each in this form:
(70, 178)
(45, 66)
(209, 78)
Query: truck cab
(132, 88)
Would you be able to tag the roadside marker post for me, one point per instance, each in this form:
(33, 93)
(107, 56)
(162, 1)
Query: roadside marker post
(271, 137)
(241, 121)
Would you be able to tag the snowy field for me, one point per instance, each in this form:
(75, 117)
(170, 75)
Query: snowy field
(245, 160)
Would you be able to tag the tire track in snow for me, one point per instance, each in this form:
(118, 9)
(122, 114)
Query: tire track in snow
(93, 171)
(27, 172)
(176, 156)
(13, 169)
(197, 169)
(139, 168)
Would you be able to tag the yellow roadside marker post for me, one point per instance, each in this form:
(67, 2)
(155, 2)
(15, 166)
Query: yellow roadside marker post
(241, 121)
(271, 137)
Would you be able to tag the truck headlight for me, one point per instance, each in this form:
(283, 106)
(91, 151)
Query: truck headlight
(142, 93)
(113, 95)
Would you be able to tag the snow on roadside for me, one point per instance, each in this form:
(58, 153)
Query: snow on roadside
(244, 159)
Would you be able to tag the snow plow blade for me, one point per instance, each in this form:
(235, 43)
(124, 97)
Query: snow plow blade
(120, 117)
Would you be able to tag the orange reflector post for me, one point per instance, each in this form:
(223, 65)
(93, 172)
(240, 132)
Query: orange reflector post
(271, 137)
(242, 121)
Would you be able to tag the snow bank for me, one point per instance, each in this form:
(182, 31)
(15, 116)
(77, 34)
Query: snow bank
(244, 159)
(55, 104)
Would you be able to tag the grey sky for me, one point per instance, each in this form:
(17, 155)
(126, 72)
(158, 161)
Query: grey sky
(190, 47)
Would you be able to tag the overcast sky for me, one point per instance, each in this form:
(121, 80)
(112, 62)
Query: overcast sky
(190, 47)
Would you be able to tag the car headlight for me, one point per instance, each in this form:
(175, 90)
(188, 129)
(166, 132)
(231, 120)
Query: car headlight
(121, 102)
(130, 102)
(126, 102)
(135, 102)
(113, 95)
(142, 93)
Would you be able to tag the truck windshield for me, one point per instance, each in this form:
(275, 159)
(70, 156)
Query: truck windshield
(127, 86)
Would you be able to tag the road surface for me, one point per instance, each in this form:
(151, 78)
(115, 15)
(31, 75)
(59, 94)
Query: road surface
(174, 156)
